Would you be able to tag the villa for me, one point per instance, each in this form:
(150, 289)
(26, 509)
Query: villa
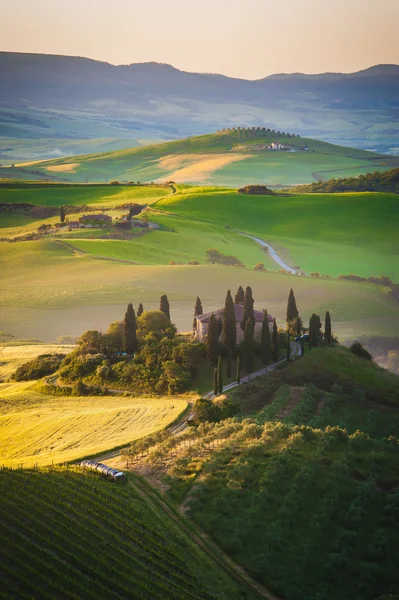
(202, 322)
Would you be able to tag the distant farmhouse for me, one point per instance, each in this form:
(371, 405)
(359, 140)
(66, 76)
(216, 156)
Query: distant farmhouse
(202, 322)
(278, 146)
(100, 220)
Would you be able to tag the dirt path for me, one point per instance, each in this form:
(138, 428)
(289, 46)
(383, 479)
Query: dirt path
(199, 538)
(272, 253)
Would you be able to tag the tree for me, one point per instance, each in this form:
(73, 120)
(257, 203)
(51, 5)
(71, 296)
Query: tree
(228, 365)
(314, 329)
(164, 306)
(220, 376)
(90, 342)
(229, 331)
(238, 369)
(275, 343)
(115, 334)
(215, 382)
(327, 328)
(239, 297)
(197, 311)
(62, 214)
(288, 346)
(298, 326)
(265, 343)
(213, 255)
(140, 310)
(212, 341)
(155, 322)
(292, 311)
(249, 347)
(130, 326)
(248, 308)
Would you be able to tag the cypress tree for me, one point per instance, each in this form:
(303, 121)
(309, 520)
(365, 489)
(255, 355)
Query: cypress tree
(327, 328)
(298, 326)
(228, 368)
(292, 311)
(197, 311)
(288, 346)
(130, 326)
(275, 343)
(265, 344)
(315, 325)
(140, 310)
(220, 376)
(215, 382)
(229, 332)
(212, 341)
(238, 370)
(241, 355)
(239, 297)
(62, 214)
(249, 347)
(164, 306)
(248, 308)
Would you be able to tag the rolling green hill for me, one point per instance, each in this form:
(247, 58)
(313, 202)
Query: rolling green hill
(304, 492)
(70, 534)
(231, 158)
(103, 196)
(330, 233)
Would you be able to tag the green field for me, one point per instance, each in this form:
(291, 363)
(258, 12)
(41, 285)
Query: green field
(104, 196)
(223, 159)
(330, 233)
(40, 429)
(70, 534)
(48, 290)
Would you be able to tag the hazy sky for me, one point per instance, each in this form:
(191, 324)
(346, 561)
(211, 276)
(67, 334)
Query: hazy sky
(242, 38)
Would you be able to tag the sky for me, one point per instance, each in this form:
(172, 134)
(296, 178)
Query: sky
(239, 38)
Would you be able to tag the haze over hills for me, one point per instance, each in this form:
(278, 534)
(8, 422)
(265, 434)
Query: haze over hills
(71, 98)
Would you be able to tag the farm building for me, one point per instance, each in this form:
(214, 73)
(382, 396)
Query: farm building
(100, 220)
(202, 322)
(73, 225)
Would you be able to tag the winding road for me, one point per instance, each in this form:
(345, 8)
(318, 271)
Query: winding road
(272, 253)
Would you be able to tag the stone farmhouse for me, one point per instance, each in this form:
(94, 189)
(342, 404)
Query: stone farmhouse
(202, 322)
(100, 220)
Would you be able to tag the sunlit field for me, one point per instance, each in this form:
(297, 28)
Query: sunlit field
(39, 429)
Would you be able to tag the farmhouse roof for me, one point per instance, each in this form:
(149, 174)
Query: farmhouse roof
(100, 217)
(239, 313)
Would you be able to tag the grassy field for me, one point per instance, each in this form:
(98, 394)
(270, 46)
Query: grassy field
(12, 356)
(221, 159)
(330, 233)
(35, 428)
(71, 534)
(96, 195)
(48, 290)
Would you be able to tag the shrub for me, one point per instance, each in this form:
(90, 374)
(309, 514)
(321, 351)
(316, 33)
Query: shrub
(256, 189)
(259, 267)
(358, 349)
(45, 364)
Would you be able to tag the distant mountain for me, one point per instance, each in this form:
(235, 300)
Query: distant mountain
(75, 98)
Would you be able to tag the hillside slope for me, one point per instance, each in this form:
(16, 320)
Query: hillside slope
(304, 493)
(231, 157)
(71, 534)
